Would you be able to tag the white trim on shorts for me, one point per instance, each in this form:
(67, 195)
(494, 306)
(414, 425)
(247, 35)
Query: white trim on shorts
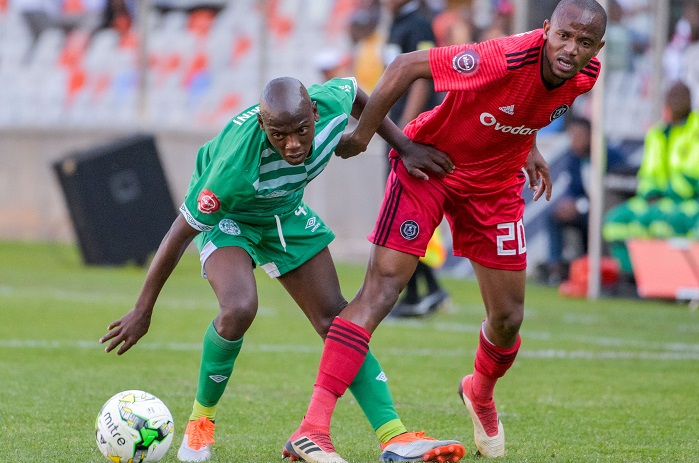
(210, 247)
(206, 251)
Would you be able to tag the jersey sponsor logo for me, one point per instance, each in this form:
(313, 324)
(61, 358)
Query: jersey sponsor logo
(229, 227)
(207, 202)
(558, 112)
(466, 62)
(508, 109)
(489, 120)
(409, 229)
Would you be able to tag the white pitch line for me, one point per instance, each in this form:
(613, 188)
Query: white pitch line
(397, 352)
(594, 340)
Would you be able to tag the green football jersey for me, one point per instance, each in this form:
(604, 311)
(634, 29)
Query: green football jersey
(239, 171)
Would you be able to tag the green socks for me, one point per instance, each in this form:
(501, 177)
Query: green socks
(217, 359)
(370, 389)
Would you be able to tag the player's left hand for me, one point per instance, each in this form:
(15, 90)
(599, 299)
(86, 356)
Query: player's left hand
(419, 158)
(539, 175)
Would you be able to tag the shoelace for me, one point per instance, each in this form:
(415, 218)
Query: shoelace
(200, 433)
(488, 416)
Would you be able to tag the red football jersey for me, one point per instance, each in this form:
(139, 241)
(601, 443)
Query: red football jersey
(496, 102)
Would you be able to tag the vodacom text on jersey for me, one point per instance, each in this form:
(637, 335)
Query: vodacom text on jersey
(489, 120)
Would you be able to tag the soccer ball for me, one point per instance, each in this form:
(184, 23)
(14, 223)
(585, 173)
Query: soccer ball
(134, 427)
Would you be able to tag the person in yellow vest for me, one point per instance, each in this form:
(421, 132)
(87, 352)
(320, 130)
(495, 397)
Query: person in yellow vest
(665, 204)
(367, 40)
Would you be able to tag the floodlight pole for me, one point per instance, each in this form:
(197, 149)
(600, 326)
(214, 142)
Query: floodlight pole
(598, 162)
(521, 16)
(661, 25)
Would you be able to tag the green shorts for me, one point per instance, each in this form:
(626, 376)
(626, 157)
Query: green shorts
(278, 243)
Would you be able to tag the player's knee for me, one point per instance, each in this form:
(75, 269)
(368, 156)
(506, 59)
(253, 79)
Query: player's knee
(507, 324)
(236, 314)
(321, 321)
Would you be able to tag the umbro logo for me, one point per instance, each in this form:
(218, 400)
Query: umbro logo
(218, 378)
(508, 109)
(382, 377)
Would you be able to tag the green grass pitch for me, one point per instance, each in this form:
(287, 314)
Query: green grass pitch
(596, 381)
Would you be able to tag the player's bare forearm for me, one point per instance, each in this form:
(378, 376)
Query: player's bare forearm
(394, 82)
(418, 159)
(165, 260)
(418, 96)
(126, 331)
(350, 146)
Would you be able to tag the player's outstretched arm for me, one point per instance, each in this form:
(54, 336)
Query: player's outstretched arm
(395, 81)
(134, 325)
(417, 158)
(538, 172)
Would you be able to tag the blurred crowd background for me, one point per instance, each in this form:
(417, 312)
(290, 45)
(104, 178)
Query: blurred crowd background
(191, 64)
(75, 73)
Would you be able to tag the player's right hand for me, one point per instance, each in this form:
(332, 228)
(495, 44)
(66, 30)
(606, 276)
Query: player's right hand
(419, 159)
(348, 147)
(126, 331)
(539, 174)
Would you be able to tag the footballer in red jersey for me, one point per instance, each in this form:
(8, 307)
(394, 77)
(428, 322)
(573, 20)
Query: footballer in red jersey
(500, 94)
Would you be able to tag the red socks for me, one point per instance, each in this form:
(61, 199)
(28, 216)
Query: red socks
(346, 347)
(491, 363)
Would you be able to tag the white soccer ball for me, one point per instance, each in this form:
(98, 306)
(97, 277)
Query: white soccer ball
(134, 427)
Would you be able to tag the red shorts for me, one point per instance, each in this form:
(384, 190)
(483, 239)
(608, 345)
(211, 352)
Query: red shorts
(486, 226)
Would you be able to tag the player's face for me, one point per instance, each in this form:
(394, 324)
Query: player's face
(291, 134)
(573, 38)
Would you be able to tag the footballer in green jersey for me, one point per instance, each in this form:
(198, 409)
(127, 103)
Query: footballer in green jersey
(244, 205)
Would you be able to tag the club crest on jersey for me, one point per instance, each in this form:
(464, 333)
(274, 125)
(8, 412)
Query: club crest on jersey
(409, 229)
(207, 202)
(558, 112)
(466, 62)
(229, 227)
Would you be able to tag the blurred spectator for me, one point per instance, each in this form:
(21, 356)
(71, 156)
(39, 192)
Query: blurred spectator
(690, 67)
(571, 210)
(410, 31)
(681, 38)
(67, 15)
(453, 25)
(665, 204)
(331, 63)
(367, 44)
(619, 41)
(501, 24)
(119, 14)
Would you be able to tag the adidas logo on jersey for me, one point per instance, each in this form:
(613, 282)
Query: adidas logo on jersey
(508, 109)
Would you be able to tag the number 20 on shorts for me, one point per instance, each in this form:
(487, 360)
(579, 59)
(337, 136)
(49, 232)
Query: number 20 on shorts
(513, 231)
